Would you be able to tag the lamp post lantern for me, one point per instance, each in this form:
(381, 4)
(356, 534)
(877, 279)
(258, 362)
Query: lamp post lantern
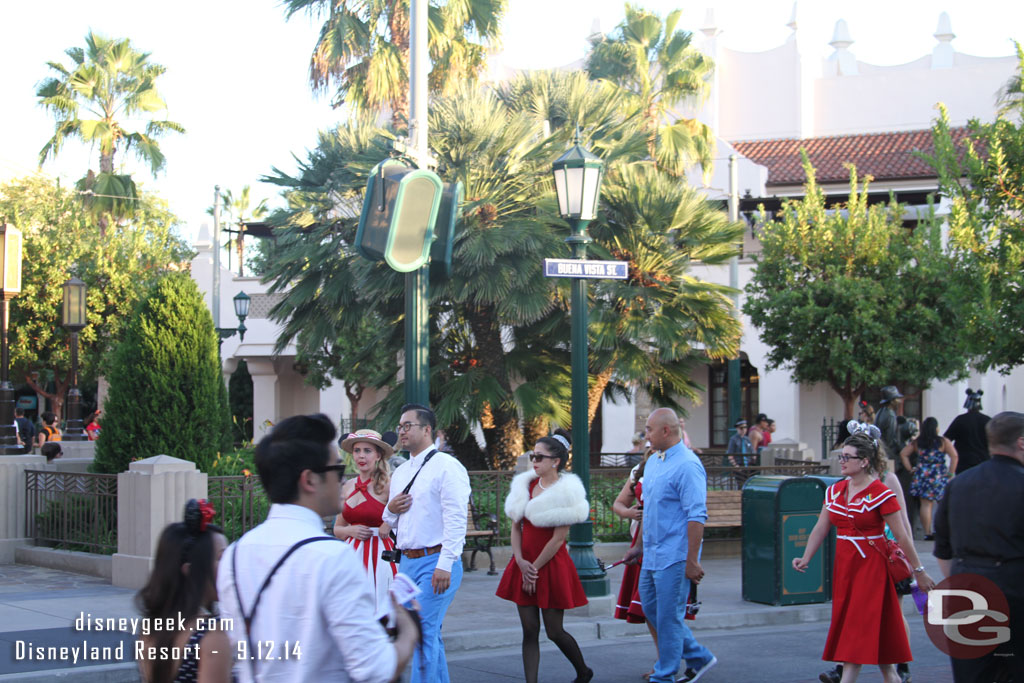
(577, 175)
(10, 287)
(241, 302)
(73, 318)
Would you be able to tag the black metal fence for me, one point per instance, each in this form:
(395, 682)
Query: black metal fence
(829, 435)
(240, 502)
(72, 511)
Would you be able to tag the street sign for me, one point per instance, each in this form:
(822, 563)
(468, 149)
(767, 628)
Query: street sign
(583, 268)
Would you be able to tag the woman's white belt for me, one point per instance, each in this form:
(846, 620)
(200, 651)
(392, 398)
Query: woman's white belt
(854, 539)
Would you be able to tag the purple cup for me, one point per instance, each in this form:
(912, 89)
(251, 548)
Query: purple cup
(920, 597)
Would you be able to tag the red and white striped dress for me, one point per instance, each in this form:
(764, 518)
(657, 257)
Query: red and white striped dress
(369, 513)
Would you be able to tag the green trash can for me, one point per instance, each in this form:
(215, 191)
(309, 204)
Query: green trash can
(778, 514)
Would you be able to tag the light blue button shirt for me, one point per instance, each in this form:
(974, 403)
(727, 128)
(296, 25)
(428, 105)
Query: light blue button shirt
(675, 493)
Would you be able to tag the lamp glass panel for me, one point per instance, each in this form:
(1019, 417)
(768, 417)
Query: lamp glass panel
(74, 305)
(11, 258)
(574, 185)
(560, 190)
(591, 184)
(241, 305)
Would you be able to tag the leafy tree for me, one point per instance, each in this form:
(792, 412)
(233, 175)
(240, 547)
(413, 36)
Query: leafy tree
(363, 48)
(983, 177)
(59, 241)
(846, 295)
(500, 330)
(167, 395)
(655, 64)
(108, 84)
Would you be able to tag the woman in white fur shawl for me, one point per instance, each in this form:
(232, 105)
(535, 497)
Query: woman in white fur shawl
(541, 577)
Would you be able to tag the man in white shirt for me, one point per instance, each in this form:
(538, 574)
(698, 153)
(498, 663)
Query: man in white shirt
(314, 619)
(430, 520)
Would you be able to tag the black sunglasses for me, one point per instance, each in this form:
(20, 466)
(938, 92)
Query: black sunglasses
(340, 469)
(537, 457)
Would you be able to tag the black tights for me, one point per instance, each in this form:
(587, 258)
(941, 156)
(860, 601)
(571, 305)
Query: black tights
(529, 616)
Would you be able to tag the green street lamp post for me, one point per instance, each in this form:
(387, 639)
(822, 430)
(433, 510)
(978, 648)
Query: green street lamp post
(10, 287)
(241, 301)
(577, 175)
(73, 317)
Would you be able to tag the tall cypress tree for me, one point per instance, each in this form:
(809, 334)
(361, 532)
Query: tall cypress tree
(167, 395)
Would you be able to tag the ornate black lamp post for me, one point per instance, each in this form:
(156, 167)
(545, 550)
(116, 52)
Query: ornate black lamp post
(241, 301)
(73, 318)
(10, 287)
(578, 185)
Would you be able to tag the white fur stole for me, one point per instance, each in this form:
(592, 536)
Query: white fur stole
(561, 504)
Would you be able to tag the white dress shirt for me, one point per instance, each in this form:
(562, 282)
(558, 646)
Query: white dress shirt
(440, 497)
(319, 599)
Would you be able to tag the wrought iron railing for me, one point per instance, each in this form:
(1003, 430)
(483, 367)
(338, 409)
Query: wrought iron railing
(733, 478)
(240, 502)
(72, 511)
(829, 435)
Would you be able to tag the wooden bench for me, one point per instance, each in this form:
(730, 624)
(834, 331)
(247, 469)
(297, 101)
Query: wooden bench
(724, 509)
(481, 530)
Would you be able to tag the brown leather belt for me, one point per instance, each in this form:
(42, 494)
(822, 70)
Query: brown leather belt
(417, 553)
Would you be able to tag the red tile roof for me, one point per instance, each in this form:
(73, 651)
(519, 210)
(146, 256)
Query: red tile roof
(885, 156)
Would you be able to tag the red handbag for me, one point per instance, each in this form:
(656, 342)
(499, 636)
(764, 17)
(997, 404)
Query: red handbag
(896, 562)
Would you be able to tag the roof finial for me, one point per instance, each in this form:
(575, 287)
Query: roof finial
(846, 63)
(792, 25)
(942, 55)
(710, 28)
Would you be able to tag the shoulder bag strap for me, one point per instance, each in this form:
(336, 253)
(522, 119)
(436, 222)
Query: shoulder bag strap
(247, 618)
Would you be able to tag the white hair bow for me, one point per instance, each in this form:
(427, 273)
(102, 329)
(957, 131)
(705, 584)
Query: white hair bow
(870, 430)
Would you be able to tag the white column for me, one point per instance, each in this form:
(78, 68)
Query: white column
(150, 495)
(265, 400)
(617, 420)
(12, 502)
(335, 404)
(779, 399)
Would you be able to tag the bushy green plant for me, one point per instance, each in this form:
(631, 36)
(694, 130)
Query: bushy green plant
(166, 391)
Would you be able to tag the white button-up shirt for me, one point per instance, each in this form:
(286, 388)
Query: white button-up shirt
(315, 620)
(440, 498)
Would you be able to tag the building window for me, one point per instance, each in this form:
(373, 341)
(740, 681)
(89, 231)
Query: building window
(718, 391)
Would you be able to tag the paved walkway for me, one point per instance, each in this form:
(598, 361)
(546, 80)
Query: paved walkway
(39, 607)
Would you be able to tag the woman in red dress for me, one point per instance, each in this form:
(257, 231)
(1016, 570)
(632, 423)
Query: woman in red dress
(867, 624)
(360, 521)
(541, 578)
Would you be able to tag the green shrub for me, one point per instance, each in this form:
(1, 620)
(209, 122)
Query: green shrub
(167, 395)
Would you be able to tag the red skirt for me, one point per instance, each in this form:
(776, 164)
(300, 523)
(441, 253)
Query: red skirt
(558, 584)
(628, 605)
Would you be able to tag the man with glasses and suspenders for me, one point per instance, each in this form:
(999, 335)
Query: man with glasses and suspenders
(309, 617)
(427, 508)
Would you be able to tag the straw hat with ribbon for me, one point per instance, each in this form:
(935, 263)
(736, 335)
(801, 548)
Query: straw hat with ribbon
(369, 436)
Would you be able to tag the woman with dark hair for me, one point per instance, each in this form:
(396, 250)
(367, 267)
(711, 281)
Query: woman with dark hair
(541, 577)
(931, 474)
(629, 504)
(361, 519)
(867, 625)
(183, 588)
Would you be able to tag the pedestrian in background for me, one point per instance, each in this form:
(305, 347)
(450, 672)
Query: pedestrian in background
(26, 430)
(967, 432)
(739, 444)
(930, 474)
(50, 431)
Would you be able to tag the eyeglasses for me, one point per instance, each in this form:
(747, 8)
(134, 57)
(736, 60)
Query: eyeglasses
(537, 457)
(340, 469)
(842, 457)
(406, 426)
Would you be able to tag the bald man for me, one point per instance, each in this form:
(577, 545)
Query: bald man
(675, 509)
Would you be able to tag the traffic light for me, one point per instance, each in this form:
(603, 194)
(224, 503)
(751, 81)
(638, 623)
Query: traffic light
(399, 211)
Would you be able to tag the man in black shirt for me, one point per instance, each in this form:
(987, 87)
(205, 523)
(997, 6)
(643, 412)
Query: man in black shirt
(967, 432)
(979, 529)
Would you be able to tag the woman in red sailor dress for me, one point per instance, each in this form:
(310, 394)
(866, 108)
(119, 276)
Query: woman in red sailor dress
(361, 520)
(867, 627)
(541, 577)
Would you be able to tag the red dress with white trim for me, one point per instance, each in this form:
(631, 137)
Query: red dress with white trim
(369, 512)
(867, 624)
(628, 605)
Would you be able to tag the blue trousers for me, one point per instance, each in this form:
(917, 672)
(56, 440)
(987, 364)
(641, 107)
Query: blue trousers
(663, 593)
(428, 663)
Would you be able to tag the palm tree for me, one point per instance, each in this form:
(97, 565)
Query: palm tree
(655, 64)
(363, 48)
(240, 213)
(108, 82)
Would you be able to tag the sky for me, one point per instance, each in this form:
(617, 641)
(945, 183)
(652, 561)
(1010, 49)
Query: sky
(237, 71)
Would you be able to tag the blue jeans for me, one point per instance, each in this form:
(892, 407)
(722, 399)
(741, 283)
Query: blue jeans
(428, 663)
(663, 593)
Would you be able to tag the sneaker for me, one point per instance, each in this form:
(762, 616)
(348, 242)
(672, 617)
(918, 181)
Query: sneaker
(691, 674)
(833, 676)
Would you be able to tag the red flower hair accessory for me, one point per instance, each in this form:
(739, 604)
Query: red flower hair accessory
(206, 513)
